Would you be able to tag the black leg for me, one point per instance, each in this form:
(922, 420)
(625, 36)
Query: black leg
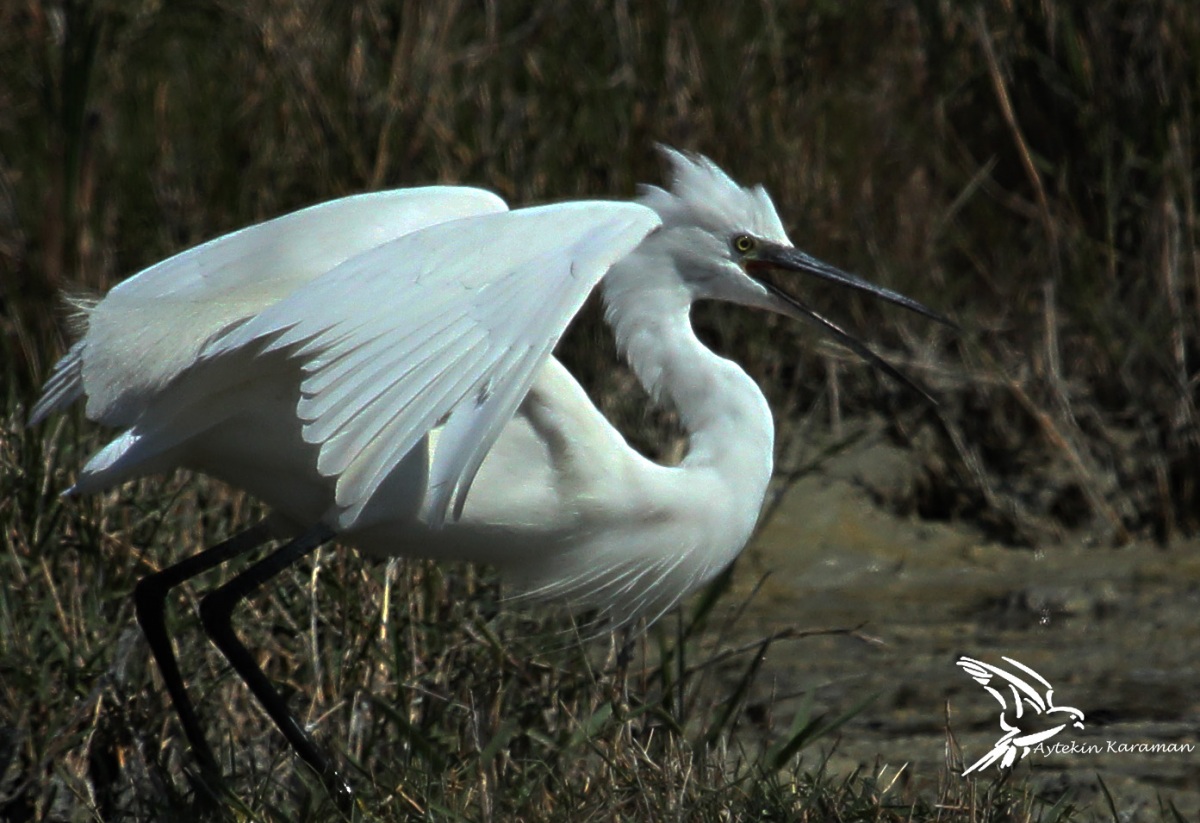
(216, 611)
(150, 600)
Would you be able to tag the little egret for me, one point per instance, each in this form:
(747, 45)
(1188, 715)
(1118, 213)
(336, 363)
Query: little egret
(378, 369)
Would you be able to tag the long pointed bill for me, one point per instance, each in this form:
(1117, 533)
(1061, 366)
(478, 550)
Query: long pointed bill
(770, 255)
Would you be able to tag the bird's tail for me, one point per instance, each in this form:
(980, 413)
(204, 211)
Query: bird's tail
(65, 384)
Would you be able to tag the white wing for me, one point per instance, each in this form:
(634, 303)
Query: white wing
(152, 326)
(979, 671)
(440, 330)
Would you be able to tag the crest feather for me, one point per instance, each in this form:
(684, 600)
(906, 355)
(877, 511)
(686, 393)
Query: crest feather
(701, 194)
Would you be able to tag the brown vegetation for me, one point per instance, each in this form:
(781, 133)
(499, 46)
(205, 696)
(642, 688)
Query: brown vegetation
(1030, 169)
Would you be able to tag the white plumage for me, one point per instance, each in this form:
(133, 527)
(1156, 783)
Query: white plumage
(382, 364)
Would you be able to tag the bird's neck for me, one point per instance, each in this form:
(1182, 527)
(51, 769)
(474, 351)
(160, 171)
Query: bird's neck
(727, 419)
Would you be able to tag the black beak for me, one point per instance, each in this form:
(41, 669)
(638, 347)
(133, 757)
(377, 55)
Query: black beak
(771, 255)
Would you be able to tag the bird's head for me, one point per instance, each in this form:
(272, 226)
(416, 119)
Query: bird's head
(1075, 715)
(723, 239)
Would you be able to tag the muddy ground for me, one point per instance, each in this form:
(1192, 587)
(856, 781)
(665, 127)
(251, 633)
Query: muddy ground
(1116, 631)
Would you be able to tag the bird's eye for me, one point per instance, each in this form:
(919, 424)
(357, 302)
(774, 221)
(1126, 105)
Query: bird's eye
(743, 243)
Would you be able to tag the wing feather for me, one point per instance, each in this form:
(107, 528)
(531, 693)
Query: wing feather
(444, 330)
(150, 328)
(324, 401)
(422, 396)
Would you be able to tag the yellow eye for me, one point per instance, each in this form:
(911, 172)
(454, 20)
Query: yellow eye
(743, 243)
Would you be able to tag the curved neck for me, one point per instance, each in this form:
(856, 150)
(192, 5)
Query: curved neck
(727, 419)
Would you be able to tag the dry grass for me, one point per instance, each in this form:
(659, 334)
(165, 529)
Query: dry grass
(442, 704)
(1027, 168)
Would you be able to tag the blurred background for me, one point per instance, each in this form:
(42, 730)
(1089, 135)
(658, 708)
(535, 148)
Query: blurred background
(1029, 169)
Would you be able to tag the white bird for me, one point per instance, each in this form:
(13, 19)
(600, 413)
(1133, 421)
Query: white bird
(1017, 738)
(379, 369)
